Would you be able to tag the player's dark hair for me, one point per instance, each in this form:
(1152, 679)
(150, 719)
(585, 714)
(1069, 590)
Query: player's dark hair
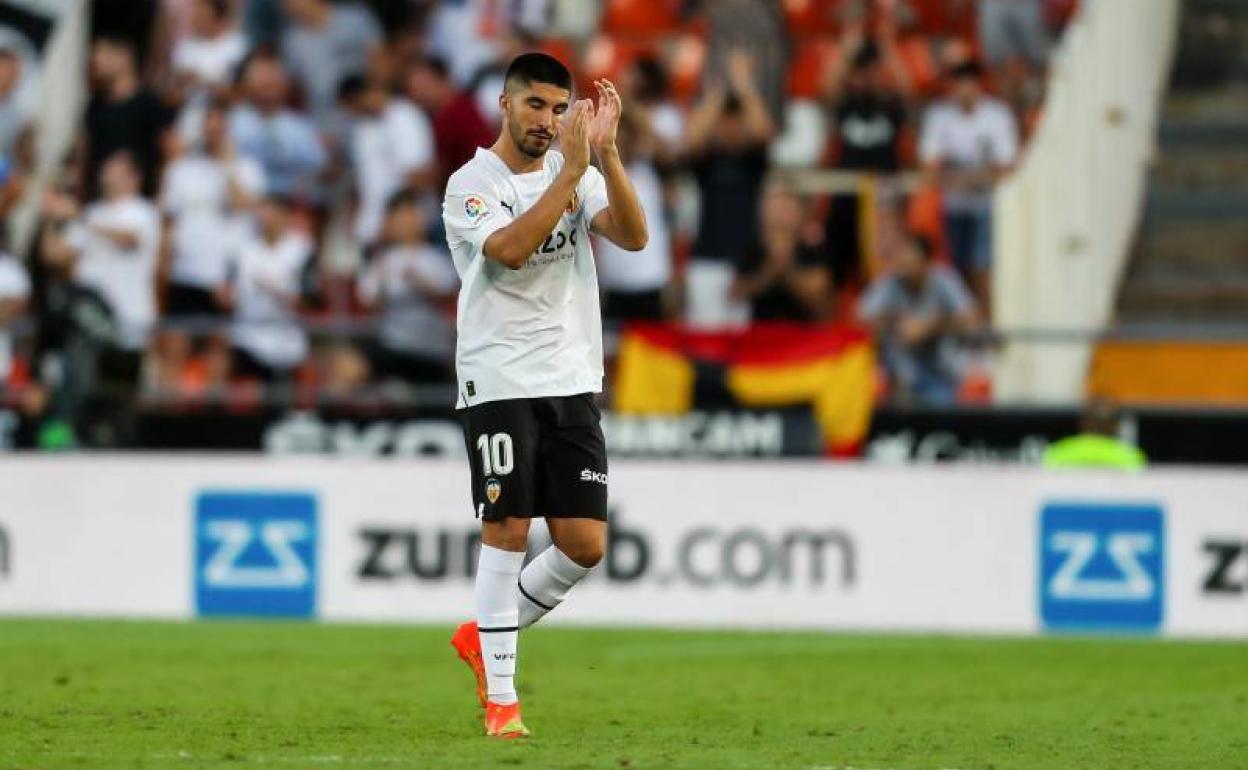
(537, 67)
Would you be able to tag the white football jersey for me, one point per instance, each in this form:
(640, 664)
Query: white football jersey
(533, 332)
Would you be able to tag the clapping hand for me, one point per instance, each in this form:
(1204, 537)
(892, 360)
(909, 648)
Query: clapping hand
(605, 123)
(574, 136)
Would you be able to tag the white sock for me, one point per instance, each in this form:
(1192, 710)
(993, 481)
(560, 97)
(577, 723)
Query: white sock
(498, 619)
(545, 582)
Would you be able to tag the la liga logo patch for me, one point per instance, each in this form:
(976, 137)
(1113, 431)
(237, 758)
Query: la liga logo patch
(475, 208)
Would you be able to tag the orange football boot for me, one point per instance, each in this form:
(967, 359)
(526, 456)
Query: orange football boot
(504, 721)
(467, 644)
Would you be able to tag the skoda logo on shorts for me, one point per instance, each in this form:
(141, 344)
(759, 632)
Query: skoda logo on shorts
(492, 490)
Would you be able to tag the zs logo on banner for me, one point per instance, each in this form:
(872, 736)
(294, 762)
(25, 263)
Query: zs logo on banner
(1102, 566)
(255, 554)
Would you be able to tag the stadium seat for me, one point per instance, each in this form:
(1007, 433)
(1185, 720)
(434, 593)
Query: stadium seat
(808, 67)
(641, 17)
(685, 61)
(939, 18)
(608, 57)
(925, 215)
(920, 62)
(811, 17)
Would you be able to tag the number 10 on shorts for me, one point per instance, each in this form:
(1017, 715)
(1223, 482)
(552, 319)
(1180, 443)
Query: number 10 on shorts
(497, 456)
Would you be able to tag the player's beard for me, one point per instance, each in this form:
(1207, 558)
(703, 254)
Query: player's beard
(525, 142)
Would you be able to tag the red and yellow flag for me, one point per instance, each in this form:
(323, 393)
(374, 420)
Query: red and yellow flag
(665, 369)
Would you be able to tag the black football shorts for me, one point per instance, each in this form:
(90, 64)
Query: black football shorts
(534, 457)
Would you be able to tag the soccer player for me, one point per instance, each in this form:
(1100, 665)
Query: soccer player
(529, 356)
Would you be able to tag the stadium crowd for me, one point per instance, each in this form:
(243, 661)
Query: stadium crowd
(253, 205)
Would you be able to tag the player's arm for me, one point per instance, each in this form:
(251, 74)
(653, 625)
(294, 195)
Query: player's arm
(622, 222)
(514, 244)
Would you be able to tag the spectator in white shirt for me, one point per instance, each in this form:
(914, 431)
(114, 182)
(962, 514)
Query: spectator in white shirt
(410, 282)
(207, 197)
(968, 142)
(265, 295)
(14, 295)
(102, 263)
(207, 58)
(635, 282)
(391, 148)
(117, 242)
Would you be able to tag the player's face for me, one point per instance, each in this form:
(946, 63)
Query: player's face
(534, 113)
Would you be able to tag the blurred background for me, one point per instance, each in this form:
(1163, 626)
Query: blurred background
(903, 230)
(942, 329)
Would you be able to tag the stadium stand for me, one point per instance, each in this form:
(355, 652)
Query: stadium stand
(335, 108)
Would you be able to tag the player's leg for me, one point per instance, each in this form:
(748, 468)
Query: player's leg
(498, 613)
(577, 546)
(572, 495)
(502, 442)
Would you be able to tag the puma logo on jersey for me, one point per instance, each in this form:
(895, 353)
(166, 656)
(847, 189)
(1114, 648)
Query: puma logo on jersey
(595, 476)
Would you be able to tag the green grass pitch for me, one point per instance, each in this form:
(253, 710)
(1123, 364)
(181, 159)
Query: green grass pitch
(76, 694)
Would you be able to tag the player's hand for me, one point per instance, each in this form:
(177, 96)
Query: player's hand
(574, 137)
(603, 128)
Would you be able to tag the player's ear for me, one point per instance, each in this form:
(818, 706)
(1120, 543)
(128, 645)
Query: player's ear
(504, 101)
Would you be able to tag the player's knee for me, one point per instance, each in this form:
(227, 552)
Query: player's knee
(586, 554)
(510, 534)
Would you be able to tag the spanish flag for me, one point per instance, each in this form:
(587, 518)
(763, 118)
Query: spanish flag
(666, 370)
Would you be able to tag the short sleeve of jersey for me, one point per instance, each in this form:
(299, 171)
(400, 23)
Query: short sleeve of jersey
(593, 191)
(472, 211)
